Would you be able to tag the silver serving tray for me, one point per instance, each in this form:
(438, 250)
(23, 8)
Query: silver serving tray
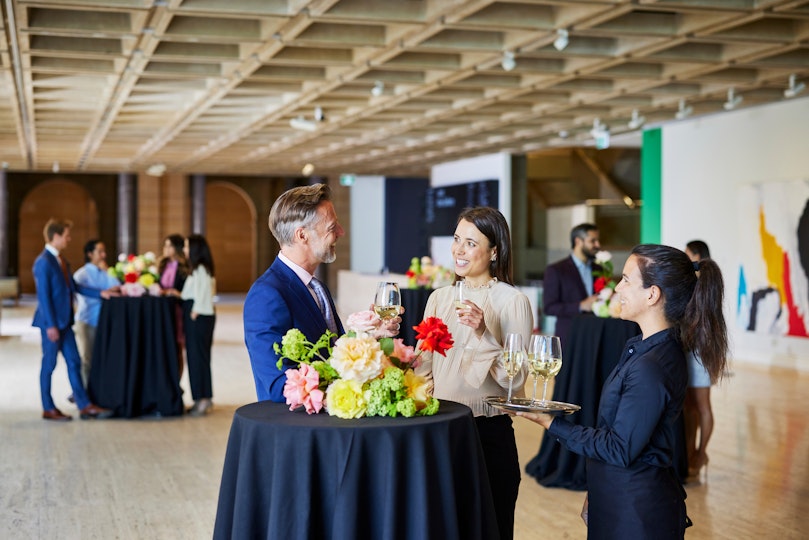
(519, 404)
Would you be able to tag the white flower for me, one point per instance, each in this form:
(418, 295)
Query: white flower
(149, 256)
(605, 293)
(603, 256)
(122, 257)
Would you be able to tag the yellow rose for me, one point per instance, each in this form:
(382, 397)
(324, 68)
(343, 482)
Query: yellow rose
(146, 280)
(418, 388)
(344, 399)
(358, 358)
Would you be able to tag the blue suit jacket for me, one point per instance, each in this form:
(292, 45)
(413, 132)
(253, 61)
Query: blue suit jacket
(562, 290)
(54, 295)
(277, 302)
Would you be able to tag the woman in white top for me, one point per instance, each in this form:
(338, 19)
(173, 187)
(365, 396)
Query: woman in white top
(200, 318)
(472, 370)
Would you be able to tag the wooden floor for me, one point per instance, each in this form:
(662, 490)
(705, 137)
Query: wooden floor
(159, 479)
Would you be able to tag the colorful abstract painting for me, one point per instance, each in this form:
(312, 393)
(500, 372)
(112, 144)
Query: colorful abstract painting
(773, 295)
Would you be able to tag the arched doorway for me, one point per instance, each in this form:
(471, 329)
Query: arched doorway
(61, 199)
(231, 233)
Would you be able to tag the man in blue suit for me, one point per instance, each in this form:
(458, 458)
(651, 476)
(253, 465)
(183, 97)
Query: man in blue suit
(54, 317)
(568, 284)
(305, 225)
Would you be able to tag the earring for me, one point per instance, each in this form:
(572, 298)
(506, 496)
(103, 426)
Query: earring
(494, 258)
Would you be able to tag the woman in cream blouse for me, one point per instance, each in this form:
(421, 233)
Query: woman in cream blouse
(472, 370)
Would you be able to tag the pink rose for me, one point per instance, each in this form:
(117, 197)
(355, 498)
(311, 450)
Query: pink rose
(363, 321)
(301, 388)
(405, 353)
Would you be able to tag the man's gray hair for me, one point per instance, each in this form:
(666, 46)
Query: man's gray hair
(295, 208)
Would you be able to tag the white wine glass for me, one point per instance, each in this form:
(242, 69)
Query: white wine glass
(549, 362)
(512, 359)
(388, 300)
(535, 345)
(459, 295)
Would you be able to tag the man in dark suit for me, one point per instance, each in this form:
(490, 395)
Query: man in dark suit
(568, 284)
(54, 317)
(288, 296)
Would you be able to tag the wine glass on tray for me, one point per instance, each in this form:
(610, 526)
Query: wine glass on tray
(549, 362)
(512, 359)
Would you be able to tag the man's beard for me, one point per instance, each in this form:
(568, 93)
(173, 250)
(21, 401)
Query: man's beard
(327, 255)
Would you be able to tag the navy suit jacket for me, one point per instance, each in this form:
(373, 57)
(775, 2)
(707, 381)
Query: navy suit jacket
(277, 302)
(54, 295)
(563, 290)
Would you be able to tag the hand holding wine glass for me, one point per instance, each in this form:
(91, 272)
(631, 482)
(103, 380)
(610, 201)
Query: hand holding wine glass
(512, 359)
(388, 300)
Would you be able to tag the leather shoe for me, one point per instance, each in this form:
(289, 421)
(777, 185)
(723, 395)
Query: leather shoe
(94, 411)
(71, 399)
(56, 415)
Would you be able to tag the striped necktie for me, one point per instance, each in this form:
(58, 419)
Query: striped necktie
(325, 305)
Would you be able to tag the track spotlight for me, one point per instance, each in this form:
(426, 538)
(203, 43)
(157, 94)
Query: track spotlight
(319, 116)
(637, 121)
(508, 63)
(601, 134)
(795, 87)
(733, 100)
(308, 169)
(378, 88)
(562, 39)
(301, 123)
(683, 111)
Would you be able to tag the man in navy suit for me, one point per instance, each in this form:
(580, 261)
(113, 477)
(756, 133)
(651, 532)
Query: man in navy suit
(54, 317)
(305, 225)
(568, 284)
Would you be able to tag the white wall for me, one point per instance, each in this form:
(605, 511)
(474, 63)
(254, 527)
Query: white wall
(491, 166)
(705, 163)
(368, 224)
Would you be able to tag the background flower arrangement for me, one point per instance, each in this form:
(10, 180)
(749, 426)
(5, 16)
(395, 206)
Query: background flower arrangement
(608, 303)
(363, 373)
(424, 274)
(138, 273)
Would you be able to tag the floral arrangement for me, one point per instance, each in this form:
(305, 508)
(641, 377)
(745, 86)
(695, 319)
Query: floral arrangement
(364, 372)
(608, 304)
(138, 273)
(424, 274)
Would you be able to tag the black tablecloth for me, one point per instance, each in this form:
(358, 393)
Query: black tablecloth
(135, 370)
(414, 301)
(592, 351)
(296, 476)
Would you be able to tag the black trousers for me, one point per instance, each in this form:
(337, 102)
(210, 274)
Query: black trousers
(198, 343)
(503, 465)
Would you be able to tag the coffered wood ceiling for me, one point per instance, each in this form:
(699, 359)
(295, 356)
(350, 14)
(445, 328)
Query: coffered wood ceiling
(210, 86)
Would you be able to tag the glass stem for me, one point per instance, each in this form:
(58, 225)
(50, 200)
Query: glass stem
(510, 379)
(544, 388)
(534, 397)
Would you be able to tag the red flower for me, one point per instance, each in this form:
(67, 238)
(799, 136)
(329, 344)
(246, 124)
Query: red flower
(599, 284)
(130, 258)
(410, 274)
(434, 335)
(131, 277)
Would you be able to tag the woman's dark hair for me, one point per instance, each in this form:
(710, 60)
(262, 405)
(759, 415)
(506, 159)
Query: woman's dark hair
(199, 253)
(89, 247)
(699, 248)
(693, 304)
(178, 243)
(493, 225)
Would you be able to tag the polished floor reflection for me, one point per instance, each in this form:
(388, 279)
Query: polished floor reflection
(159, 478)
